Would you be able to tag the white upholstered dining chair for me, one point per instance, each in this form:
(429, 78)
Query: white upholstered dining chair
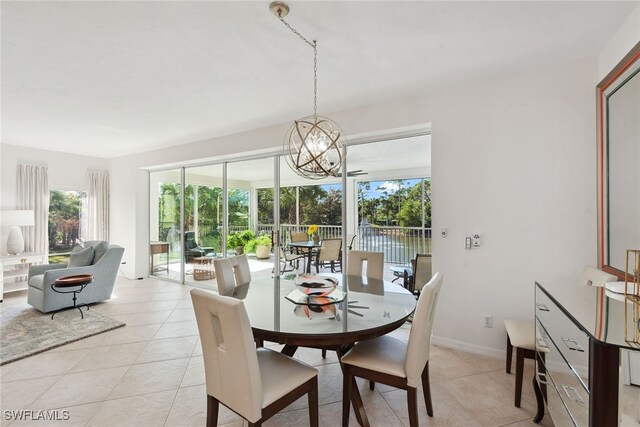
(231, 272)
(254, 383)
(374, 260)
(395, 362)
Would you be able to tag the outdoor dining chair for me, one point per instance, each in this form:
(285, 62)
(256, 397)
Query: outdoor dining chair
(421, 268)
(254, 383)
(330, 253)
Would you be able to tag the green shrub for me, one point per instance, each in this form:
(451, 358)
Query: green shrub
(262, 239)
(239, 238)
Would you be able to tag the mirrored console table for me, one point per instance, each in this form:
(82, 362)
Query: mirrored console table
(580, 334)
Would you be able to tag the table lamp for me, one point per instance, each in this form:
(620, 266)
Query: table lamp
(15, 219)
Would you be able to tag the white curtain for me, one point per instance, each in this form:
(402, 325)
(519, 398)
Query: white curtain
(33, 194)
(98, 205)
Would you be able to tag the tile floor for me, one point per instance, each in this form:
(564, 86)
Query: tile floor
(150, 373)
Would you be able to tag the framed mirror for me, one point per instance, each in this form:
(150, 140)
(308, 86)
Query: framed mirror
(618, 103)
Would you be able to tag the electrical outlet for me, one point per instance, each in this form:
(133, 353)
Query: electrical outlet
(488, 321)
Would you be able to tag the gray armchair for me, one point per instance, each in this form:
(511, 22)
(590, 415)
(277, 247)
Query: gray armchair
(104, 272)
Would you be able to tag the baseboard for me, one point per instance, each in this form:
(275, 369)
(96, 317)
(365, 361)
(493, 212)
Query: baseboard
(481, 350)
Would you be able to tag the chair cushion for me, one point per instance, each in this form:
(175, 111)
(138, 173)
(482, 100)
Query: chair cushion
(36, 281)
(281, 374)
(521, 333)
(385, 354)
(81, 258)
(100, 248)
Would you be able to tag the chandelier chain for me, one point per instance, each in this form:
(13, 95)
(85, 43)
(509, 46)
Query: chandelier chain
(314, 45)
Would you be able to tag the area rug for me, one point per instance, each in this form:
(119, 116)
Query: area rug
(24, 331)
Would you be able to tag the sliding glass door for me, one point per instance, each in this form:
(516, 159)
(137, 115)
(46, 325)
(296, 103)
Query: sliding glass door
(250, 190)
(202, 223)
(199, 213)
(165, 247)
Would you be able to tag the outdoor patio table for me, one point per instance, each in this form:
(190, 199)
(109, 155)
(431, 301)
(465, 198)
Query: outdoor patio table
(371, 308)
(310, 246)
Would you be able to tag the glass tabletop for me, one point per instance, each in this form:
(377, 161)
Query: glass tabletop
(304, 244)
(370, 306)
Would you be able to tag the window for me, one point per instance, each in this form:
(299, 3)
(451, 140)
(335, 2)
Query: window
(67, 222)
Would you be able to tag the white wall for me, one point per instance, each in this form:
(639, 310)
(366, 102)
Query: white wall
(620, 44)
(513, 159)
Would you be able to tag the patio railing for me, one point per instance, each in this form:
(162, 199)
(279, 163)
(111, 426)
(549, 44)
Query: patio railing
(399, 244)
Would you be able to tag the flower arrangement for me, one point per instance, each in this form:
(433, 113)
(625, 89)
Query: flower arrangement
(313, 233)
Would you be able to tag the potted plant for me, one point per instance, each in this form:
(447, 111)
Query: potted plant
(261, 245)
(239, 239)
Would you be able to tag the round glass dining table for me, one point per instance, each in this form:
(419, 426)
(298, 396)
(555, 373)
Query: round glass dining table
(370, 308)
(367, 308)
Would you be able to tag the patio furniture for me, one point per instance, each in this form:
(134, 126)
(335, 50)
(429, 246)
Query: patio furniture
(351, 238)
(232, 272)
(290, 258)
(374, 260)
(400, 270)
(103, 267)
(254, 383)
(330, 253)
(421, 267)
(193, 250)
(307, 249)
(395, 362)
(158, 248)
(203, 268)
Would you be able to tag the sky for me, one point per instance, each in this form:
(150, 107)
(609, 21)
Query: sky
(378, 188)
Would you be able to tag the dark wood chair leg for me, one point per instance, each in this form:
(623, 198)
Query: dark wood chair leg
(358, 404)
(346, 395)
(412, 402)
(258, 424)
(509, 353)
(519, 374)
(212, 411)
(372, 385)
(313, 403)
(426, 389)
(324, 353)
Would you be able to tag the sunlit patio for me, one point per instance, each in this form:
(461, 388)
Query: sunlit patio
(386, 200)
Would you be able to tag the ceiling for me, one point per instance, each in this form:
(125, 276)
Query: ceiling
(111, 78)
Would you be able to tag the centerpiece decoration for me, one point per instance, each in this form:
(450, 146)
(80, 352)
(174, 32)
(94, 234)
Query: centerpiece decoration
(315, 290)
(312, 231)
(317, 286)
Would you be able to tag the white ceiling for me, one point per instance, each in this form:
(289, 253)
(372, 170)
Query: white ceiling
(111, 78)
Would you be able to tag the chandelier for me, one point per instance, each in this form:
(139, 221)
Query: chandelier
(313, 144)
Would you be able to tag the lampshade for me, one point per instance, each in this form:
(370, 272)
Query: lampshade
(16, 217)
